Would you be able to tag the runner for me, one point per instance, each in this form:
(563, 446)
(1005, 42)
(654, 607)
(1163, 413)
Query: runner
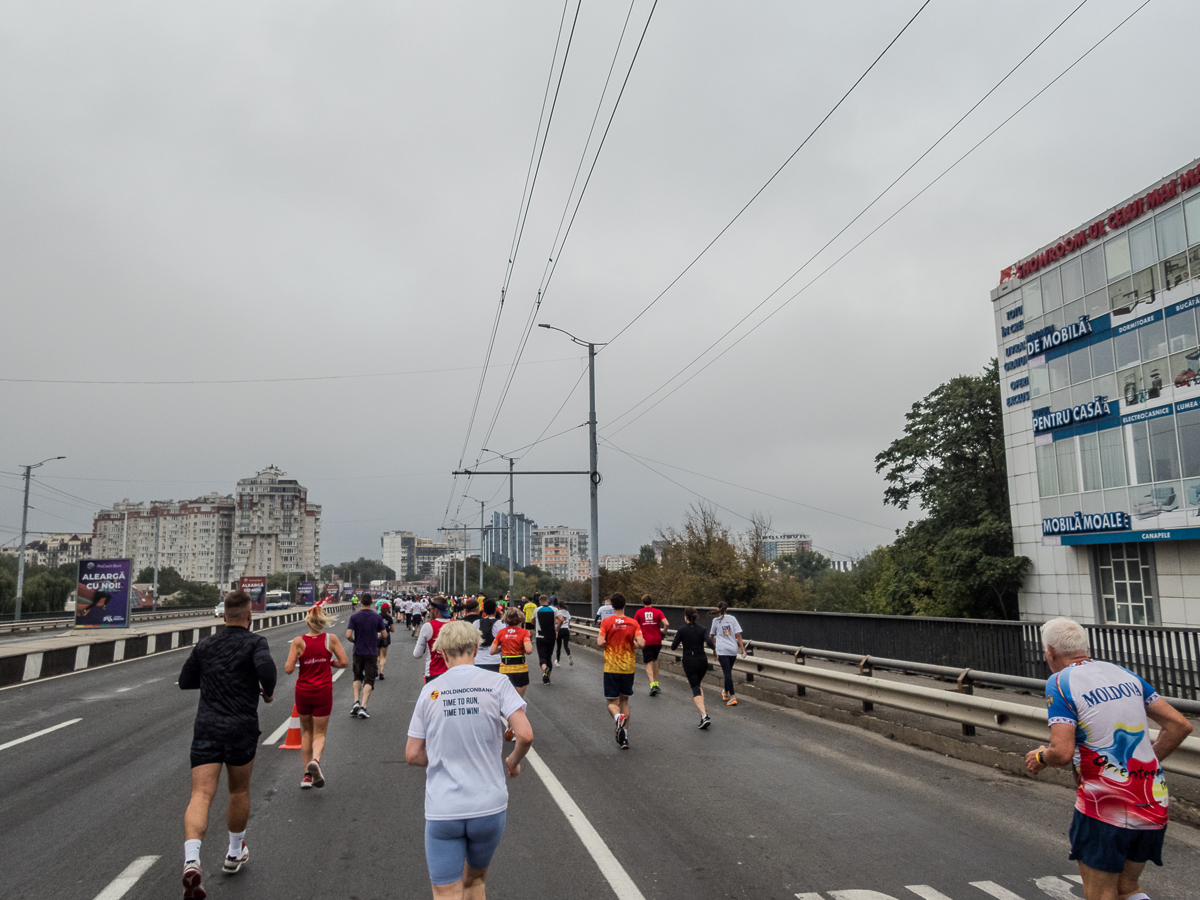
(231, 670)
(1098, 715)
(529, 608)
(695, 658)
(619, 636)
(363, 631)
(654, 627)
(434, 665)
(728, 633)
(511, 643)
(564, 633)
(604, 612)
(385, 638)
(418, 614)
(487, 624)
(466, 799)
(547, 631)
(317, 654)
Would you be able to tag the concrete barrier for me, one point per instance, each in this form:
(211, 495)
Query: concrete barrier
(18, 668)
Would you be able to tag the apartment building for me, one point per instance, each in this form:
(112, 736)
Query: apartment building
(776, 545)
(617, 563)
(561, 551)
(275, 528)
(191, 536)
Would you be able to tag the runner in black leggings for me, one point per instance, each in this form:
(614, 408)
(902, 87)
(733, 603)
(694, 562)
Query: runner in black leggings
(695, 660)
(564, 633)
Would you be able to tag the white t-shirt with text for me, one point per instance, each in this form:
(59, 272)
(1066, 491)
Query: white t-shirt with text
(459, 716)
(723, 630)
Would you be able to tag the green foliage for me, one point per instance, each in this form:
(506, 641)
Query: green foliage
(646, 555)
(362, 570)
(802, 564)
(958, 561)
(169, 581)
(45, 589)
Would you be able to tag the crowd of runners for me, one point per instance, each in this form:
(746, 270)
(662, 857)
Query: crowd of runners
(472, 702)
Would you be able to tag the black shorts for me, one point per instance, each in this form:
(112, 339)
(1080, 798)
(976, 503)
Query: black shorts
(650, 653)
(618, 684)
(1107, 848)
(695, 668)
(230, 753)
(491, 668)
(366, 668)
(545, 650)
(518, 679)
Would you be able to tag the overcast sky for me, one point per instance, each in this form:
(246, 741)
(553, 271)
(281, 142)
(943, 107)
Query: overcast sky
(297, 189)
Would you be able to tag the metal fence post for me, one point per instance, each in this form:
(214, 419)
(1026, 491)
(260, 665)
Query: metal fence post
(966, 687)
(865, 669)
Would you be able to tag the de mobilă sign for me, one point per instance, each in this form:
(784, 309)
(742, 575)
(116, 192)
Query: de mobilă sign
(1050, 337)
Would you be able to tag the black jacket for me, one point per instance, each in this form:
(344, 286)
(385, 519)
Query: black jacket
(229, 669)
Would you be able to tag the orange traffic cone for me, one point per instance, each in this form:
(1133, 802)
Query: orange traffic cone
(293, 732)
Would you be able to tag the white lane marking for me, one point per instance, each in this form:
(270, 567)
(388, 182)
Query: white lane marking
(120, 885)
(37, 734)
(618, 879)
(925, 892)
(809, 897)
(1078, 879)
(278, 732)
(994, 890)
(338, 674)
(860, 895)
(1055, 887)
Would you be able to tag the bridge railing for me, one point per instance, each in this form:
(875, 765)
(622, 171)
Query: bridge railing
(957, 704)
(1168, 658)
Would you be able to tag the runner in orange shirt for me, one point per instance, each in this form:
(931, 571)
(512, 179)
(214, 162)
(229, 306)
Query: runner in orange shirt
(512, 644)
(620, 636)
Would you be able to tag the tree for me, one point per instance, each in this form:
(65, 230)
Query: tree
(646, 555)
(802, 564)
(362, 570)
(959, 559)
(169, 581)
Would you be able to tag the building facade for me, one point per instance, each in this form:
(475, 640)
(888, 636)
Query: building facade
(617, 563)
(561, 551)
(275, 528)
(194, 537)
(1099, 351)
(522, 538)
(776, 545)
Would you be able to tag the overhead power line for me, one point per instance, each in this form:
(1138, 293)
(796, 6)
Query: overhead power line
(775, 175)
(858, 244)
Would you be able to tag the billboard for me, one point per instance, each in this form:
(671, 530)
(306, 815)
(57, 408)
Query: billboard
(256, 587)
(306, 593)
(102, 593)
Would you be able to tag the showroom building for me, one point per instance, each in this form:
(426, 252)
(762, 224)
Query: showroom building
(1100, 379)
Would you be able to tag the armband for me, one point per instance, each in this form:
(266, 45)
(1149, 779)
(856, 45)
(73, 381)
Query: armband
(1040, 757)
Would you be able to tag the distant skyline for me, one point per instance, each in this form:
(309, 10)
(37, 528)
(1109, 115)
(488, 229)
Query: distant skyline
(234, 236)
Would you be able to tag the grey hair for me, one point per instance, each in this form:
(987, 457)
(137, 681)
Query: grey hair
(1066, 636)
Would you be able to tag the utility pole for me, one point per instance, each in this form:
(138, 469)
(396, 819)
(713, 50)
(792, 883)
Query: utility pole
(157, 521)
(594, 478)
(512, 524)
(481, 546)
(24, 523)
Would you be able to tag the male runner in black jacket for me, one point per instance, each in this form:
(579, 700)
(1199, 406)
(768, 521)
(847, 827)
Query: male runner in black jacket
(231, 670)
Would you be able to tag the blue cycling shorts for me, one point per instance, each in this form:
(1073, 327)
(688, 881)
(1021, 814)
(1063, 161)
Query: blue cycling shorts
(451, 842)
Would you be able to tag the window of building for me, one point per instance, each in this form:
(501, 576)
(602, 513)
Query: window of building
(1142, 250)
(1126, 583)
(1116, 257)
(1171, 238)
(1072, 279)
(1068, 473)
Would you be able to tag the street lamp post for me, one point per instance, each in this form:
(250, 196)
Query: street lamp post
(511, 517)
(593, 475)
(24, 524)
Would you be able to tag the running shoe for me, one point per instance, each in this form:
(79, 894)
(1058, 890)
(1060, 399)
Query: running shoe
(570, 660)
(314, 770)
(545, 676)
(381, 676)
(724, 696)
(363, 714)
(306, 781)
(233, 864)
(354, 709)
(732, 701)
(622, 733)
(655, 690)
(191, 882)
(705, 721)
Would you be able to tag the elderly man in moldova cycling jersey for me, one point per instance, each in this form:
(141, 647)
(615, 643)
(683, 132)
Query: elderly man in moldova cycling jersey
(1098, 715)
(619, 636)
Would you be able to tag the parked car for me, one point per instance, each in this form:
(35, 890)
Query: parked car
(219, 612)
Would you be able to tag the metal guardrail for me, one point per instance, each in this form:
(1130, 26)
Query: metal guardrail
(952, 705)
(57, 621)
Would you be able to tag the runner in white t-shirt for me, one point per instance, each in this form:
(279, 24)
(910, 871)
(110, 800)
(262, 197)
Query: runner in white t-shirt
(726, 632)
(457, 734)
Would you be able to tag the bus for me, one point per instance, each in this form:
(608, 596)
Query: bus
(278, 600)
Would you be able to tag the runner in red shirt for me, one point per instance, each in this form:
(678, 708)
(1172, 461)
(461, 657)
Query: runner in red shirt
(620, 636)
(317, 654)
(654, 627)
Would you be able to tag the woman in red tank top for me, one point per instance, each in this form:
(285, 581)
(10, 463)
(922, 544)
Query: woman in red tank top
(317, 654)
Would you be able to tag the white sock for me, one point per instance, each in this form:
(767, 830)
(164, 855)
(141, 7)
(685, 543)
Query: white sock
(191, 851)
(235, 843)
(1140, 895)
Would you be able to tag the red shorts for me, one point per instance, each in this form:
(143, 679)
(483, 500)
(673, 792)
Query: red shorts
(319, 704)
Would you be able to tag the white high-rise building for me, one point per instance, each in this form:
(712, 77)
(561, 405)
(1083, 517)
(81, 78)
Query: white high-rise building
(275, 529)
(561, 551)
(194, 537)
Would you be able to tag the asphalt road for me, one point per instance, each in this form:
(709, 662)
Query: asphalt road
(767, 804)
